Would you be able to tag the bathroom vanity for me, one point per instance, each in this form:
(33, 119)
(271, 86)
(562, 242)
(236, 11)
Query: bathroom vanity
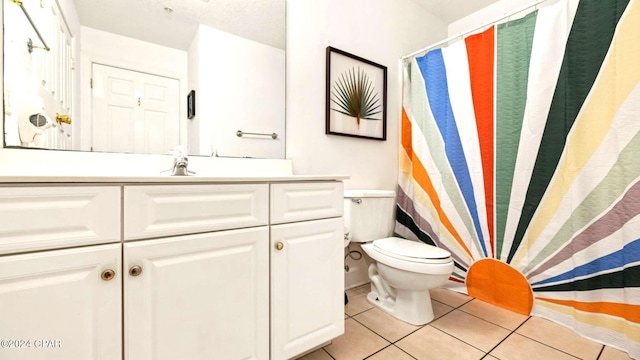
(170, 267)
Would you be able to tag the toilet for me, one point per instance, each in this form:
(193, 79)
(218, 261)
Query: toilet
(401, 271)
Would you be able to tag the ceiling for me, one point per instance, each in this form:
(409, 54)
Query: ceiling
(259, 20)
(148, 20)
(452, 10)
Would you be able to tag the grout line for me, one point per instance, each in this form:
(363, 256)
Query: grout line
(373, 331)
(361, 312)
(455, 337)
(401, 349)
(325, 350)
(506, 337)
(375, 352)
(491, 322)
(547, 345)
(539, 342)
(600, 353)
(420, 328)
(388, 346)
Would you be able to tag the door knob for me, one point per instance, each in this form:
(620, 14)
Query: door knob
(279, 245)
(108, 275)
(135, 270)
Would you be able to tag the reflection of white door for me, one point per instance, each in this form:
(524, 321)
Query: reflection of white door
(134, 112)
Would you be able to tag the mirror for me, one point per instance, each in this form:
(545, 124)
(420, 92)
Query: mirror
(138, 76)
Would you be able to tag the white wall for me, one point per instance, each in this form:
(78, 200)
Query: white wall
(240, 87)
(119, 51)
(193, 124)
(381, 31)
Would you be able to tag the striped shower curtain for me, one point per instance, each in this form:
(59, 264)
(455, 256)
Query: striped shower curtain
(520, 154)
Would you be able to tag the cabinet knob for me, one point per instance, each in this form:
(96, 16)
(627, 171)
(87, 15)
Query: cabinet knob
(279, 246)
(108, 275)
(135, 270)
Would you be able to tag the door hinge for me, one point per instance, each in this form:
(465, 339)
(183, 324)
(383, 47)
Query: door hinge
(73, 63)
(91, 83)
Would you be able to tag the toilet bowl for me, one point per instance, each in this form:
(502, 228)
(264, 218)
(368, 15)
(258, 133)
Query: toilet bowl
(401, 271)
(400, 282)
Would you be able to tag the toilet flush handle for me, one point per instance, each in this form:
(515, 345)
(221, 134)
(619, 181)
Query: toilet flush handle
(357, 201)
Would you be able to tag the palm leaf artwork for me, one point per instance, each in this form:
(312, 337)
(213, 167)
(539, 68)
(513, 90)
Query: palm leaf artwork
(353, 95)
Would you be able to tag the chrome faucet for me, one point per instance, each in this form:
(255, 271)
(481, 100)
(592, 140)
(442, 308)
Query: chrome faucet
(180, 162)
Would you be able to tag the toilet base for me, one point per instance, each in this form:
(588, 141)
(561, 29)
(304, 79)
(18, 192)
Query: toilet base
(413, 307)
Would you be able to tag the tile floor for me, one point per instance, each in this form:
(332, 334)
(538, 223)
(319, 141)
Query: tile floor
(463, 328)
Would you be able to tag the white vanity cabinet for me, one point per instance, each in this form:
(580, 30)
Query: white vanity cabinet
(307, 281)
(171, 271)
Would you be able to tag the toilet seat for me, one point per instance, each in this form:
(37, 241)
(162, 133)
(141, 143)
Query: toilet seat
(408, 263)
(413, 251)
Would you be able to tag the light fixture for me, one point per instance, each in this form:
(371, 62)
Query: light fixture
(168, 10)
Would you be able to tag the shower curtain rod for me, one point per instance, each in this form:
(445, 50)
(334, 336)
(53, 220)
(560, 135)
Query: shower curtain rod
(534, 4)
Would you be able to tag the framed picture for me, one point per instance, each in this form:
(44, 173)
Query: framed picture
(191, 104)
(356, 99)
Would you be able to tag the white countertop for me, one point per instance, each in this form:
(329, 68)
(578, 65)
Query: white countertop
(166, 179)
(19, 166)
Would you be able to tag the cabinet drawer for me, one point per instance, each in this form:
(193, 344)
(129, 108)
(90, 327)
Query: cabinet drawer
(306, 201)
(161, 210)
(37, 218)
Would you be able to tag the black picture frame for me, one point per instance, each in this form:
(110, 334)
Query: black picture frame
(346, 76)
(191, 104)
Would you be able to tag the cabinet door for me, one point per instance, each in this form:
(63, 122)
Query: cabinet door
(198, 297)
(307, 285)
(55, 305)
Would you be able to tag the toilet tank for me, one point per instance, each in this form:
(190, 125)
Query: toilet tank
(369, 214)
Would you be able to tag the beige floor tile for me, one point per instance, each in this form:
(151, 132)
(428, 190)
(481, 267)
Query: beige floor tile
(518, 347)
(319, 354)
(366, 288)
(357, 342)
(440, 309)
(609, 353)
(353, 292)
(449, 297)
(559, 337)
(385, 325)
(433, 344)
(494, 314)
(390, 353)
(472, 330)
(357, 303)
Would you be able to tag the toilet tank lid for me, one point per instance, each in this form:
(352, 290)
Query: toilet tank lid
(369, 193)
